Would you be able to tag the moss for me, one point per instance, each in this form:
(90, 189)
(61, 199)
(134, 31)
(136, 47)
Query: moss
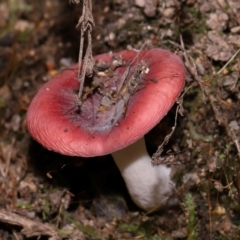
(144, 230)
(189, 207)
(90, 232)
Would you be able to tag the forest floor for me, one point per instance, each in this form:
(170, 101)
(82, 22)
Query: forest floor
(45, 195)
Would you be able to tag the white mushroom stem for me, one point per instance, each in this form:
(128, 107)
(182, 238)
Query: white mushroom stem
(149, 187)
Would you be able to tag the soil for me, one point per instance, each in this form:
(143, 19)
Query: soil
(45, 195)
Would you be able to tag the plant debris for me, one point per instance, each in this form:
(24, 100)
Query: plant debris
(46, 195)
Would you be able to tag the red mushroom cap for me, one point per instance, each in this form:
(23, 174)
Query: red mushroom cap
(54, 119)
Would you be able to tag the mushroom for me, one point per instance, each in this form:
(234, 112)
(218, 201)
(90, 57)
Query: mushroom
(129, 94)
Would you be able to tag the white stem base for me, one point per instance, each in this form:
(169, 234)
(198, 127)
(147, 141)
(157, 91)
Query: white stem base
(149, 187)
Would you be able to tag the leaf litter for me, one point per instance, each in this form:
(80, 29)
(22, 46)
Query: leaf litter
(40, 39)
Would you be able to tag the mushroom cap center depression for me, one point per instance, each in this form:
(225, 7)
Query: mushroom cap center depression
(106, 95)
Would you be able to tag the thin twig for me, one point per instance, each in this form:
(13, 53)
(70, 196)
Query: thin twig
(85, 64)
(230, 60)
(156, 158)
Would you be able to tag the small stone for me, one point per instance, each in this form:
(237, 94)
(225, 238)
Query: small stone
(218, 48)
(234, 39)
(148, 5)
(150, 8)
(180, 233)
(23, 25)
(140, 3)
(168, 12)
(217, 21)
(191, 178)
(235, 29)
(66, 62)
(15, 122)
(234, 125)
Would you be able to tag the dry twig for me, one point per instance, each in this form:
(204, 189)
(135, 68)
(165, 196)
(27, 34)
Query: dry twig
(157, 159)
(85, 64)
(30, 227)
